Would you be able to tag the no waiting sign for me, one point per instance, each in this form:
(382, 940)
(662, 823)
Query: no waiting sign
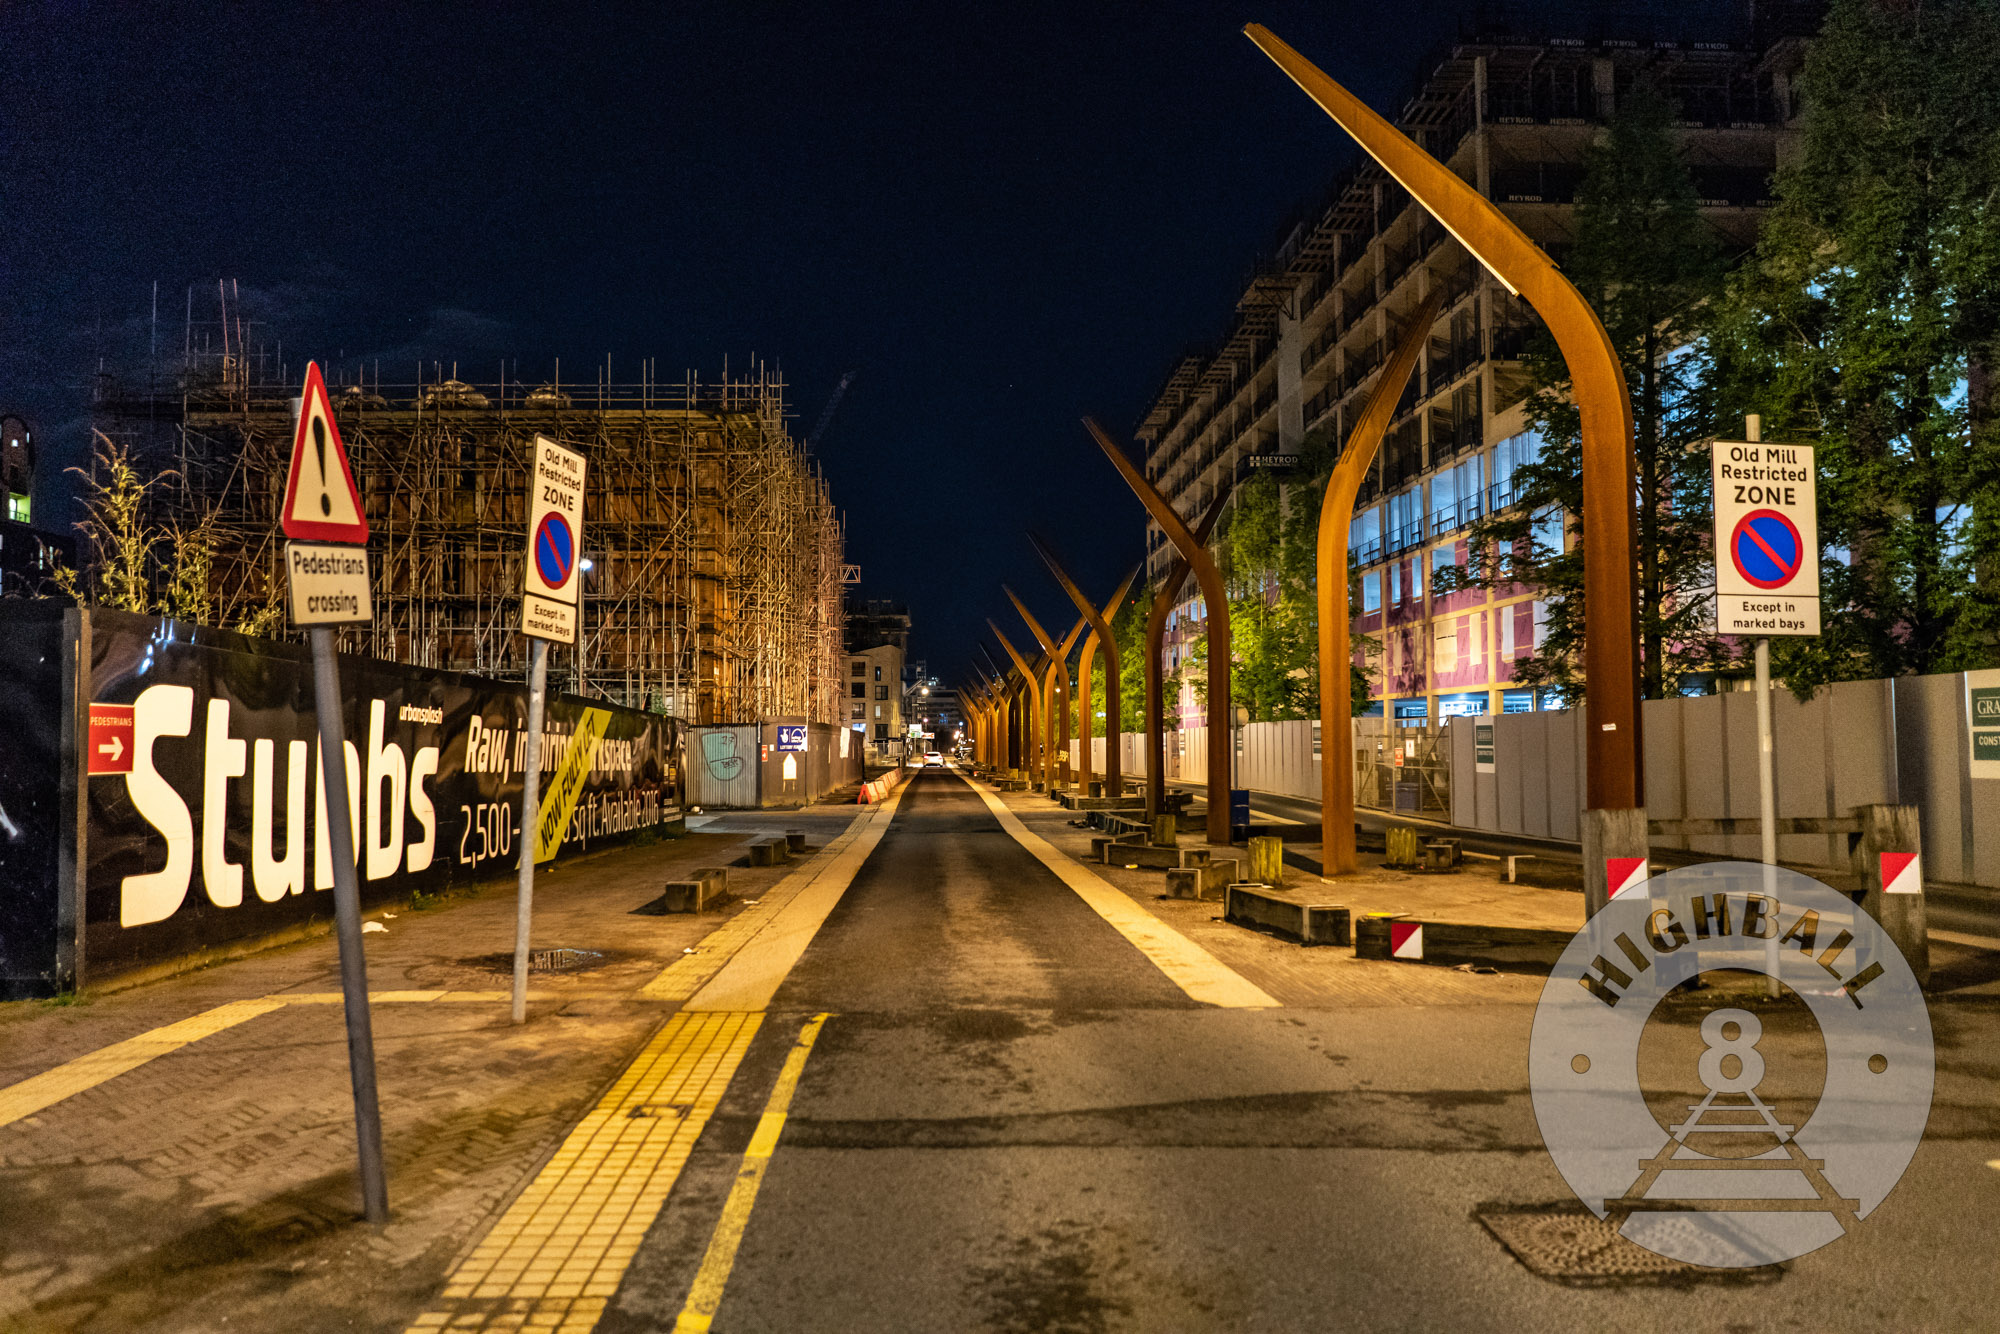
(553, 579)
(1766, 539)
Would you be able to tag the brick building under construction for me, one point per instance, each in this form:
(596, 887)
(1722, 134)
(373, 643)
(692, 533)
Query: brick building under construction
(712, 556)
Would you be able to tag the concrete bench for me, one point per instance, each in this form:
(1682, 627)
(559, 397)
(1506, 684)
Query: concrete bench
(795, 840)
(702, 888)
(1289, 914)
(1151, 856)
(1100, 842)
(1202, 880)
(769, 852)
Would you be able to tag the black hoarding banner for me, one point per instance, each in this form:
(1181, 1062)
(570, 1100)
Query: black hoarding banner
(218, 832)
(35, 797)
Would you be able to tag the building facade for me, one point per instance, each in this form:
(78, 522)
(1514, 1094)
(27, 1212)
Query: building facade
(1513, 116)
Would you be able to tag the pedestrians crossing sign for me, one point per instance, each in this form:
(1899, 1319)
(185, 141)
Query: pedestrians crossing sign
(322, 504)
(1766, 539)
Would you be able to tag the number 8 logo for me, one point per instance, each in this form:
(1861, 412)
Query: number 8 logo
(1724, 1046)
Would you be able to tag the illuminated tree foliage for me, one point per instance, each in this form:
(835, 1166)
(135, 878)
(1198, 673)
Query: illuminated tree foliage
(1866, 325)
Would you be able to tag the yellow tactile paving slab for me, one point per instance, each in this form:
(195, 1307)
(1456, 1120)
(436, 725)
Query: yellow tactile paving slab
(1187, 965)
(87, 1072)
(692, 971)
(556, 1256)
(709, 1284)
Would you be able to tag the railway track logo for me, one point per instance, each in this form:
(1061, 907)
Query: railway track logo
(1733, 1063)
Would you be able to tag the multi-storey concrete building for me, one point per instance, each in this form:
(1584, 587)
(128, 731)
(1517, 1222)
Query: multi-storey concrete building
(1513, 116)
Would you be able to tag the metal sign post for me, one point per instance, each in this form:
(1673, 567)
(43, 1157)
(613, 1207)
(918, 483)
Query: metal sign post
(549, 611)
(1766, 582)
(328, 586)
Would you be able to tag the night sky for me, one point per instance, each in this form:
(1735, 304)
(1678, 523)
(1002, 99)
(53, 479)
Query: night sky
(1001, 216)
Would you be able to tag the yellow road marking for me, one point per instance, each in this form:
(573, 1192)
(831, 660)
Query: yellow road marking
(556, 1256)
(691, 972)
(757, 968)
(88, 1071)
(706, 1294)
(1187, 965)
(106, 1063)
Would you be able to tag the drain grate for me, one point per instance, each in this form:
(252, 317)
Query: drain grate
(1569, 1244)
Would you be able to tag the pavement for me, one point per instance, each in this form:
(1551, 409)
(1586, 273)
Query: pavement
(940, 1077)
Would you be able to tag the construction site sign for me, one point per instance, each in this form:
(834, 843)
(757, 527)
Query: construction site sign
(553, 581)
(1766, 539)
(322, 504)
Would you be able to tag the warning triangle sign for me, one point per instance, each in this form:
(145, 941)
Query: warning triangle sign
(322, 504)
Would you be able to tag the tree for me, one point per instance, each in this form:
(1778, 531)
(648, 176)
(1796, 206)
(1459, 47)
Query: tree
(1650, 268)
(124, 543)
(1867, 326)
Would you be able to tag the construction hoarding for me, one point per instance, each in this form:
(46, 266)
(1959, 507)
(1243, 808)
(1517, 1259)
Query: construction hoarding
(217, 834)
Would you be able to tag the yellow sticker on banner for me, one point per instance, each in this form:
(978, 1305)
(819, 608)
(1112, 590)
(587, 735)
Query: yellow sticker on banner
(558, 803)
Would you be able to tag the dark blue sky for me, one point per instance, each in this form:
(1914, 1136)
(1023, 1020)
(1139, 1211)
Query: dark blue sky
(1002, 216)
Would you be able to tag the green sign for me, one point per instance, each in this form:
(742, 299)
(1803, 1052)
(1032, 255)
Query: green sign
(1982, 718)
(1482, 748)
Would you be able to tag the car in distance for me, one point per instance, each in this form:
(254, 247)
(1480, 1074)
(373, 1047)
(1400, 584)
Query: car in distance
(931, 757)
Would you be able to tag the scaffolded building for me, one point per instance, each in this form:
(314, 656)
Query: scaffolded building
(712, 556)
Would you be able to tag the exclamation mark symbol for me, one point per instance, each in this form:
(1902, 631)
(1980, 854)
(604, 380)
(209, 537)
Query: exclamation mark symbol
(319, 447)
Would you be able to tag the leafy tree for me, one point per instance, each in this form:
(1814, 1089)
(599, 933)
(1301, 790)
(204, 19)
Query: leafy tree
(124, 546)
(1650, 267)
(1867, 326)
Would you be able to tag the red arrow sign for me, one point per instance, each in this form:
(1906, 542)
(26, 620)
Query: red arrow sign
(110, 739)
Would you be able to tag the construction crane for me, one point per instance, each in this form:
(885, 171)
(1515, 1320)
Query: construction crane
(819, 427)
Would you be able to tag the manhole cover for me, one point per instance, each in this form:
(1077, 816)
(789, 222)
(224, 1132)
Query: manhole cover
(1571, 1245)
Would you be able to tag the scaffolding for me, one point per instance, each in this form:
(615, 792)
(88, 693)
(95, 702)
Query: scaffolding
(713, 582)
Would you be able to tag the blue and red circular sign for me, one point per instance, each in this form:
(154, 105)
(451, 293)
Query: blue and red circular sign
(1767, 548)
(555, 550)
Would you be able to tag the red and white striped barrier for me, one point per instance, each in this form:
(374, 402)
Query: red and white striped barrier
(880, 788)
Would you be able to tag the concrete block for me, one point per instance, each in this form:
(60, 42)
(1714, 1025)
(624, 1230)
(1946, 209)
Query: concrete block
(1102, 841)
(795, 840)
(1292, 915)
(769, 852)
(1202, 880)
(1371, 934)
(703, 888)
(1147, 855)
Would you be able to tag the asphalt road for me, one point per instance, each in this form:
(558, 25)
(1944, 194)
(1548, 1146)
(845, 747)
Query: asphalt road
(1015, 1122)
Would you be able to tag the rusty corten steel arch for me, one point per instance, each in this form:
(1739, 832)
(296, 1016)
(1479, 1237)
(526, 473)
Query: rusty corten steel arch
(1100, 622)
(1217, 597)
(1336, 751)
(1156, 635)
(1055, 688)
(1615, 780)
(1036, 703)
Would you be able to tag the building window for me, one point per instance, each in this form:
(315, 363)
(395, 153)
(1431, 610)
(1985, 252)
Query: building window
(878, 672)
(860, 691)
(881, 731)
(860, 668)
(878, 710)
(1371, 591)
(881, 692)
(861, 711)
(1444, 654)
